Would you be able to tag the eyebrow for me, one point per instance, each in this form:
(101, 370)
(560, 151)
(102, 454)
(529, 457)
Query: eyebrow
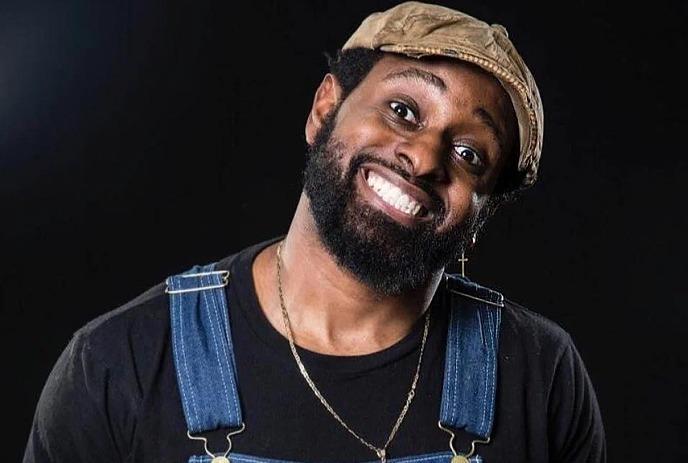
(487, 119)
(418, 74)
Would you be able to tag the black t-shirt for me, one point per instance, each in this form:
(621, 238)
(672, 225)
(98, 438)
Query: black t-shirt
(113, 396)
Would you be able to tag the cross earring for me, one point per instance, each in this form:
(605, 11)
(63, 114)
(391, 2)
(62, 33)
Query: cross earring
(463, 261)
(463, 258)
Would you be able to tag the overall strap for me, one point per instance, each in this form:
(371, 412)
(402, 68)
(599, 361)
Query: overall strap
(470, 372)
(202, 349)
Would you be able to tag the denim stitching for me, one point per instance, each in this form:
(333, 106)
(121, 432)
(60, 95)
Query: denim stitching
(493, 364)
(492, 371)
(418, 459)
(220, 311)
(415, 459)
(455, 354)
(498, 317)
(190, 405)
(177, 353)
(229, 393)
(230, 347)
(190, 388)
(485, 379)
(446, 387)
(450, 366)
(411, 459)
(480, 326)
(210, 308)
(457, 357)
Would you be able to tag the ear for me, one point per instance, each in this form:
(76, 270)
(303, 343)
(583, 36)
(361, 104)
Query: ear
(326, 99)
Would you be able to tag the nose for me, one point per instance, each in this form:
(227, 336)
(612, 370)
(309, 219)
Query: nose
(424, 155)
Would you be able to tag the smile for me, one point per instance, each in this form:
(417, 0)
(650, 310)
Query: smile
(395, 196)
(392, 195)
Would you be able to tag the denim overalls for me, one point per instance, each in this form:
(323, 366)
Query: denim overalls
(207, 376)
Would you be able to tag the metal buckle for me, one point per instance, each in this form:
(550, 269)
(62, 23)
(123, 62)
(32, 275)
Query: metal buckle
(225, 281)
(461, 458)
(215, 458)
(448, 286)
(498, 304)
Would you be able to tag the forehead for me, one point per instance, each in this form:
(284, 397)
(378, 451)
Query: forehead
(455, 79)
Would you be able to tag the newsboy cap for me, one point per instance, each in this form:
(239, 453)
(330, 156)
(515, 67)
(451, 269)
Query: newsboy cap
(419, 29)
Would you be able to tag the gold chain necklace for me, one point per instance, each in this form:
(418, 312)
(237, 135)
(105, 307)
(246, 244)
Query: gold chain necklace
(381, 452)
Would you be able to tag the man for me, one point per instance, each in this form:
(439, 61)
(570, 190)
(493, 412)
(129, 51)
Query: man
(345, 340)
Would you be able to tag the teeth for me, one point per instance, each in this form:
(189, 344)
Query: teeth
(392, 195)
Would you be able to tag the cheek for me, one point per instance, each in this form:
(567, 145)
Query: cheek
(463, 204)
(363, 129)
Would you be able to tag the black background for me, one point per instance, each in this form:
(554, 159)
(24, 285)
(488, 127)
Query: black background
(138, 138)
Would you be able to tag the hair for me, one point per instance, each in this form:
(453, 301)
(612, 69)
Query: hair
(351, 66)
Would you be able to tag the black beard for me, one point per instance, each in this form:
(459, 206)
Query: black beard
(381, 253)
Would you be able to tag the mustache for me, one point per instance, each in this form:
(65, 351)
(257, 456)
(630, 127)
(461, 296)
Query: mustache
(367, 158)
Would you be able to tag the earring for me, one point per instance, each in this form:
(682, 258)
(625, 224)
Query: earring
(463, 261)
(463, 258)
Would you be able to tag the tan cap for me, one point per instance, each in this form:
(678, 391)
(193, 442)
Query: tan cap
(420, 29)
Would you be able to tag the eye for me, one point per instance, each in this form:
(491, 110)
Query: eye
(469, 155)
(404, 111)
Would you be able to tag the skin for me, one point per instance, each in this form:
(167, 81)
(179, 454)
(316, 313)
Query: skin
(331, 312)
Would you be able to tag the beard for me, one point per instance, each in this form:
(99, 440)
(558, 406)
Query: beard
(388, 257)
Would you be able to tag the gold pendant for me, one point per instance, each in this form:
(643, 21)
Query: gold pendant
(222, 460)
(459, 459)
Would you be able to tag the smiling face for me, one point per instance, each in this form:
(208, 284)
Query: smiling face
(399, 170)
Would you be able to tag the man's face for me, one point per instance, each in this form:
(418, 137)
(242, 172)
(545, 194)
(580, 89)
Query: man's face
(398, 172)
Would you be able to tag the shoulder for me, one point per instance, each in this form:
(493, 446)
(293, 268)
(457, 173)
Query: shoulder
(142, 325)
(94, 390)
(122, 351)
(532, 342)
(520, 327)
(541, 362)
(529, 326)
(134, 321)
(555, 369)
(138, 330)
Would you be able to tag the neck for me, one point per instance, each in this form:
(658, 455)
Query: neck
(331, 311)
